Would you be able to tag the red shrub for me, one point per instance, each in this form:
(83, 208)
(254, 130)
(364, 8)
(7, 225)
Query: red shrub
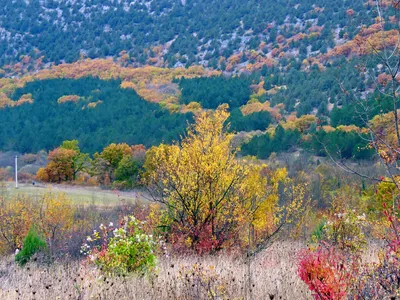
(328, 272)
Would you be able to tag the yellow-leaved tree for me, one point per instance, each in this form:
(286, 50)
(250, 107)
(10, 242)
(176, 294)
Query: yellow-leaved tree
(209, 194)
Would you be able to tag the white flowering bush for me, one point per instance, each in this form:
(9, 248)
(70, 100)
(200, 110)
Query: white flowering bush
(121, 250)
(346, 230)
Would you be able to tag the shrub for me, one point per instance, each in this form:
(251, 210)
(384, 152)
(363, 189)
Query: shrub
(346, 231)
(16, 217)
(33, 243)
(318, 232)
(328, 272)
(53, 215)
(334, 270)
(381, 280)
(199, 282)
(123, 250)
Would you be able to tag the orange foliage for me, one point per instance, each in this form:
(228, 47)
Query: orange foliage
(297, 37)
(302, 123)
(60, 166)
(383, 126)
(350, 12)
(193, 107)
(94, 104)
(26, 98)
(280, 39)
(382, 3)
(234, 59)
(369, 39)
(16, 217)
(157, 49)
(253, 107)
(319, 9)
(349, 128)
(52, 214)
(261, 61)
(26, 59)
(147, 81)
(384, 79)
(316, 28)
(43, 175)
(6, 101)
(127, 85)
(5, 174)
(68, 98)
(262, 46)
(56, 217)
(328, 128)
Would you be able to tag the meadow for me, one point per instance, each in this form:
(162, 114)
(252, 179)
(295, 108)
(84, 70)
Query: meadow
(80, 195)
(272, 276)
(229, 275)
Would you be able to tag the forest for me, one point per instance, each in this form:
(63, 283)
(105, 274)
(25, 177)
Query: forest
(64, 32)
(111, 111)
(101, 113)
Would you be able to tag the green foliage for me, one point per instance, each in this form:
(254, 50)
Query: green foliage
(32, 244)
(318, 232)
(255, 121)
(129, 250)
(263, 145)
(80, 160)
(127, 172)
(386, 193)
(340, 144)
(122, 116)
(339, 82)
(211, 92)
(355, 114)
(197, 27)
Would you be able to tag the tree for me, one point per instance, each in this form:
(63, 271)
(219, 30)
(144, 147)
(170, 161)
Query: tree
(59, 167)
(114, 153)
(79, 160)
(51, 214)
(119, 163)
(65, 162)
(208, 193)
(106, 163)
(127, 171)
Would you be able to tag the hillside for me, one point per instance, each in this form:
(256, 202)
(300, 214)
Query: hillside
(95, 112)
(219, 34)
(135, 72)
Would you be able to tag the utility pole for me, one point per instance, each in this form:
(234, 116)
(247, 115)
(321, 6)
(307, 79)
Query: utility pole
(16, 171)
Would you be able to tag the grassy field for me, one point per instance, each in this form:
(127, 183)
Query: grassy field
(272, 275)
(80, 195)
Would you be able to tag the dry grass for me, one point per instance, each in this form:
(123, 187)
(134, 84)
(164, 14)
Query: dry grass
(80, 195)
(273, 276)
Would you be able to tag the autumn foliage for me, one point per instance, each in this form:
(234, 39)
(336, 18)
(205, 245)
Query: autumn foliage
(51, 214)
(147, 81)
(65, 162)
(212, 198)
(327, 273)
